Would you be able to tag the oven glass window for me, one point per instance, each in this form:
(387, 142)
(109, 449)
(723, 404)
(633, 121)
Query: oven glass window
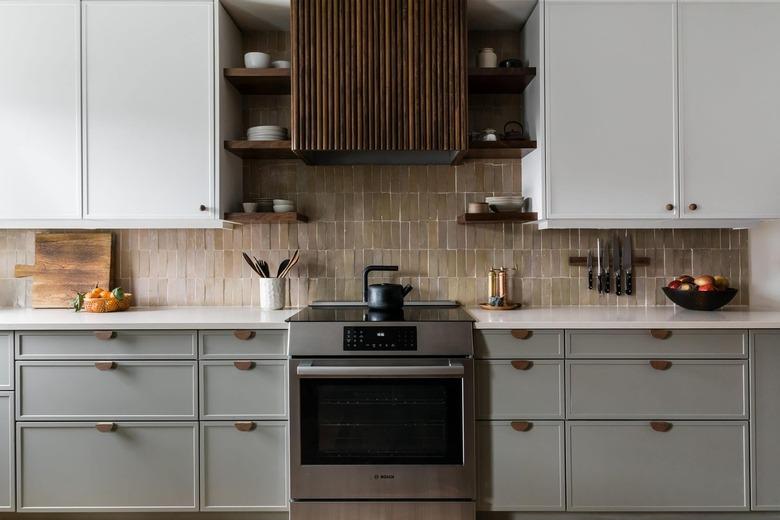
(381, 421)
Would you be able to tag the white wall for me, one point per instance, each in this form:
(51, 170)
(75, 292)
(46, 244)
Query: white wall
(764, 243)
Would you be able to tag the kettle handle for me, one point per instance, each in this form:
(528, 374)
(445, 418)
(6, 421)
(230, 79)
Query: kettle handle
(370, 268)
(407, 289)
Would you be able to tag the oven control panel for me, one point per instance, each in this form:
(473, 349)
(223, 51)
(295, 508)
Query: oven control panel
(380, 338)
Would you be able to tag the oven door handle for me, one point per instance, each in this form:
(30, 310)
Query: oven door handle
(309, 369)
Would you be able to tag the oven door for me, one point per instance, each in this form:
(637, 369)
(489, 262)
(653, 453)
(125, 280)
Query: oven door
(382, 429)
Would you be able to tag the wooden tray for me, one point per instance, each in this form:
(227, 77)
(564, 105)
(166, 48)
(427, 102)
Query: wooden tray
(509, 307)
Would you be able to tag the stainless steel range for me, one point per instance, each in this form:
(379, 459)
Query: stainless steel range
(382, 414)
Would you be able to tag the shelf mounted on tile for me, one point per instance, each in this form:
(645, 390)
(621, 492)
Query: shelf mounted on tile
(496, 218)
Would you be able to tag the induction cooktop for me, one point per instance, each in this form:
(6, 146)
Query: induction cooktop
(358, 314)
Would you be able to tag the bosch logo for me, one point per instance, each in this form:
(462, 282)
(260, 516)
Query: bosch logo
(383, 477)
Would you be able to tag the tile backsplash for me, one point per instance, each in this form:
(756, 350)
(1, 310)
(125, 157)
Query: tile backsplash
(406, 216)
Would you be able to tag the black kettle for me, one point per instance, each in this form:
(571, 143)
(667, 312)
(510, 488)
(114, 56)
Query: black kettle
(383, 296)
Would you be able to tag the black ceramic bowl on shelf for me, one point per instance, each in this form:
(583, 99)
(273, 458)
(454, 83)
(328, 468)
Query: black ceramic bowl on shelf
(700, 301)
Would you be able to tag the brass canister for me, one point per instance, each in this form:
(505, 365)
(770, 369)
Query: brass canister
(502, 283)
(492, 283)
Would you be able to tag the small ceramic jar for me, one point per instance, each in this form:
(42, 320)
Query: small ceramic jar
(487, 58)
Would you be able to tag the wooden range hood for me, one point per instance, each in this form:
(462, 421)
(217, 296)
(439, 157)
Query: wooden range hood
(379, 81)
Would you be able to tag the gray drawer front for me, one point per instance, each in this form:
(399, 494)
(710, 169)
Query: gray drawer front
(6, 361)
(695, 466)
(688, 389)
(504, 392)
(73, 467)
(131, 344)
(642, 344)
(7, 470)
(502, 344)
(224, 344)
(133, 390)
(259, 392)
(520, 470)
(243, 470)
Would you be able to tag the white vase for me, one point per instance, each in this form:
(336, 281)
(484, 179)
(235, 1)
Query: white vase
(487, 58)
(273, 293)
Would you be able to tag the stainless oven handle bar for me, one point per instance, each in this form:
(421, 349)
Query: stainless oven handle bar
(307, 369)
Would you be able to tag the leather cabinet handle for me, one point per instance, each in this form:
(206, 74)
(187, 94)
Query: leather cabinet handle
(106, 427)
(105, 365)
(244, 335)
(105, 335)
(244, 365)
(522, 364)
(522, 426)
(245, 426)
(660, 333)
(522, 333)
(660, 364)
(661, 426)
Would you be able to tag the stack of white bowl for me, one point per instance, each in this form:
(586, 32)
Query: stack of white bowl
(265, 205)
(283, 206)
(506, 203)
(267, 133)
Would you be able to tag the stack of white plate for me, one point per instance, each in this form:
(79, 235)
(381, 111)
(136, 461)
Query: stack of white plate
(283, 206)
(506, 203)
(265, 205)
(266, 133)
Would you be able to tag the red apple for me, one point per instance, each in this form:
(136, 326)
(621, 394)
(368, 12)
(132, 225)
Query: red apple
(674, 284)
(685, 278)
(707, 288)
(704, 279)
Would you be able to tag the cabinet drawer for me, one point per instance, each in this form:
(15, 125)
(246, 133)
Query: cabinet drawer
(639, 389)
(519, 389)
(243, 470)
(141, 466)
(245, 344)
(130, 390)
(694, 466)
(513, 343)
(6, 361)
(243, 389)
(657, 343)
(520, 466)
(7, 474)
(129, 344)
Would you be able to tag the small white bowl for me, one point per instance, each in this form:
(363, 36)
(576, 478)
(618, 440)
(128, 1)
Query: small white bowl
(284, 209)
(283, 202)
(280, 64)
(250, 207)
(257, 60)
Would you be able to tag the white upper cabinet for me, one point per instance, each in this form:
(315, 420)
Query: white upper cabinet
(149, 109)
(610, 74)
(40, 110)
(730, 108)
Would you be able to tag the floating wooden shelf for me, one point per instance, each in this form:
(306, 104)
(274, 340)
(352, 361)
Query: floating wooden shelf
(500, 80)
(260, 218)
(261, 149)
(493, 218)
(500, 149)
(260, 81)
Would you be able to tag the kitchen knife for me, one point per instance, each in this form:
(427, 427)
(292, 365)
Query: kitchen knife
(600, 266)
(628, 264)
(616, 259)
(590, 271)
(608, 266)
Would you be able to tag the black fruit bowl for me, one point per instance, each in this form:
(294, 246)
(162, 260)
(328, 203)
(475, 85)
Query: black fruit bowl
(700, 301)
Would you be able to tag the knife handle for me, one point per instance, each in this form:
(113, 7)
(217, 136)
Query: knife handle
(590, 279)
(629, 283)
(601, 282)
(618, 289)
(607, 276)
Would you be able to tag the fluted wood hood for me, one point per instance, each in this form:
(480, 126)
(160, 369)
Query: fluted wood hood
(379, 81)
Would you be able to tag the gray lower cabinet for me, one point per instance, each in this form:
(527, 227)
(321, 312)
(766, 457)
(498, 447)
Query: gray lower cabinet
(130, 466)
(125, 344)
(519, 389)
(120, 390)
(243, 389)
(631, 466)
(6, 361)
(713, 344)
(647, 389)
(514, 343)
(520, 466)
(7, 469)
(765, 423)
(243, 469)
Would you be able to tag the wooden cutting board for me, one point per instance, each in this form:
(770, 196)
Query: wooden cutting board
(67, 263)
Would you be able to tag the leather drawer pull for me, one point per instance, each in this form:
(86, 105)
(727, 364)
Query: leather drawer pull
(522, 426)
(106, 427)
(245, 426)
(244, 365)
(660, 364)
(522, 364)
(661, 426)
(105, 335)
(105, 365)
(522, 333)
(244, 335)
(660, 333)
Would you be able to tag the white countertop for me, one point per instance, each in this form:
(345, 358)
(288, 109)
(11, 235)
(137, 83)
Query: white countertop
(253, 318)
